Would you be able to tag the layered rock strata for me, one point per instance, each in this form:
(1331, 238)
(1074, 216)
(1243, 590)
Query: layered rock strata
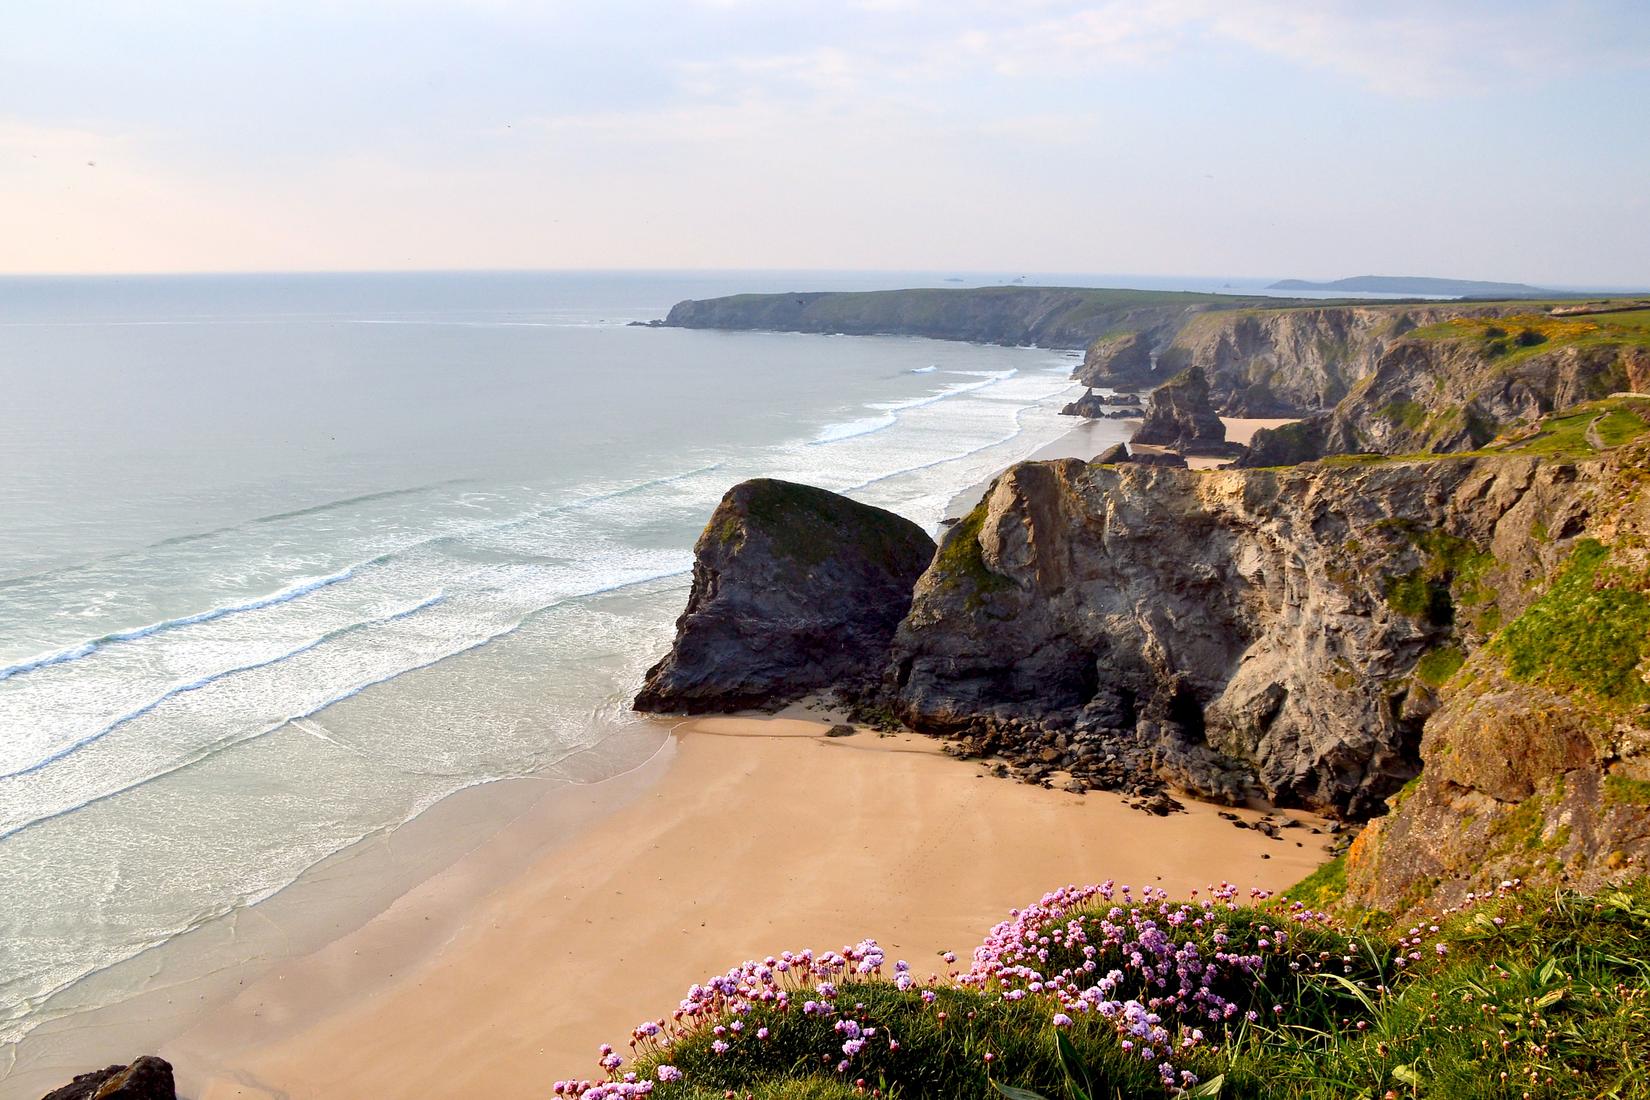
(1246, 632)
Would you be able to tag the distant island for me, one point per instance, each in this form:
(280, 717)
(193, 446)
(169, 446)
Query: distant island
(1420, 284)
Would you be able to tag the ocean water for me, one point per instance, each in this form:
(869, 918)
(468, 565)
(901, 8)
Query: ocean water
(285, 561)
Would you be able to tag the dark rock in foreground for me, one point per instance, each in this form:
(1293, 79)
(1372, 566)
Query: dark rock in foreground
(148, 1078)
(795, 590)
(1119, 453)
(1116, 453)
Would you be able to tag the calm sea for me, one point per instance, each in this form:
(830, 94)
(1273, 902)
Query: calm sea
(284, 561)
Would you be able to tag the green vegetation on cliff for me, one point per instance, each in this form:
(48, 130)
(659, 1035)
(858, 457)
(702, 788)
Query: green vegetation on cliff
(1519, 336)
(960, 562)
(809, 524)
(1519, 995)
(1589, 633)
(1449, 578)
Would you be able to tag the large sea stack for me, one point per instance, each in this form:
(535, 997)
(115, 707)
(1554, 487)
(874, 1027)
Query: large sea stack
(1180, 416)
(795, 589)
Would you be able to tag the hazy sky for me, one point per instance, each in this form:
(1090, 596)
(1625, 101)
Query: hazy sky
(1232, 137)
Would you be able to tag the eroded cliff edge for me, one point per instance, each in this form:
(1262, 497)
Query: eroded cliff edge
(1536, 764)
(1275, 631)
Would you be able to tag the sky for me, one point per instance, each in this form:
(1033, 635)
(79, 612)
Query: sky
(1500, 140)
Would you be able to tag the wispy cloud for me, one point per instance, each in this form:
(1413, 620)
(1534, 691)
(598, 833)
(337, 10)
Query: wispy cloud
(1149, 135)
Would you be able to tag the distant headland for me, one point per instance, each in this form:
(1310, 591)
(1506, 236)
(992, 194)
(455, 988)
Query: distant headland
(1419, 285)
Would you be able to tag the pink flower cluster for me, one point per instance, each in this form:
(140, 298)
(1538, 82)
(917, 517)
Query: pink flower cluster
(1159, 972)
(1168, 977)
(798, 981)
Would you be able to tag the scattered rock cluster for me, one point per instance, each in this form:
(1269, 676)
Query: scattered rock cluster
(1096, 406)
(1054, 752)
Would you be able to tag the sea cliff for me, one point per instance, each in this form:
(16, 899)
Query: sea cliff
(1051, 317)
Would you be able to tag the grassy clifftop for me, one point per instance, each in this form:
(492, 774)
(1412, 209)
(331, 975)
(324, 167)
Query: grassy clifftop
(1056, 317)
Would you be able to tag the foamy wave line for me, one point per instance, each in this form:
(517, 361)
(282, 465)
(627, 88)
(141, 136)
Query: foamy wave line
(838, 432)
(211, 749)
(304, 587)
(196, 685)
(312, 510)
(1019, 428)
(86, 649)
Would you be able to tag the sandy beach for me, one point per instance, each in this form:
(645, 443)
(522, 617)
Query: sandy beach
(754, 835)
(1239, 429)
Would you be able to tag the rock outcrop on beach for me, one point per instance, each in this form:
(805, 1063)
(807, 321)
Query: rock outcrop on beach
(1095, 406)
(1272, 632)
(1050, 317)
(795, 589)
(147, 1078)
(1536, 764)
(1091, 405)
(1180, 417)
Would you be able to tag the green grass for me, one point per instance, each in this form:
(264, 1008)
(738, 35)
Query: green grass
(1515, 337)
(1436, 666)
(1565, 435)
(1324, 887)
(1405, 413)
(1626, 791)
(1450, 575)
(1539, 995)
(1633, 319)
(1589, 633)
(960, 562)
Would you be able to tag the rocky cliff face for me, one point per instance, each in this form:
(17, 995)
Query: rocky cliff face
(1119, 362)
(795, 589)
(1537, 762)
(1289, 362)
(1050, 317)
(1447, 393)
(1445, 398)
(1272, 631)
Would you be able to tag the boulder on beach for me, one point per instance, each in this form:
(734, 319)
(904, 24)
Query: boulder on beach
(147, 1078)
(795, 590)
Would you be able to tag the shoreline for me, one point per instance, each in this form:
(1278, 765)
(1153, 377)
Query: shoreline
(176, 985)
(609, 924)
